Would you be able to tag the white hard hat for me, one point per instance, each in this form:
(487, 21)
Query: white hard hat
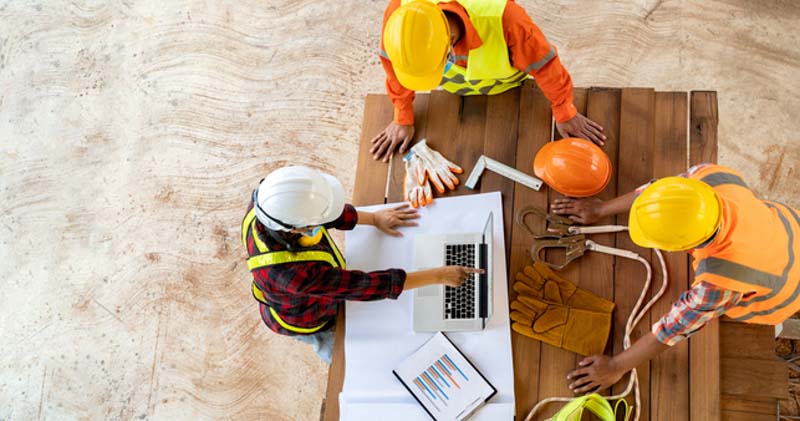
(297, 197)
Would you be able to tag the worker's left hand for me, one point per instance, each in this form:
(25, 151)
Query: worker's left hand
(597, 372)
(387, 220)
(582, 127)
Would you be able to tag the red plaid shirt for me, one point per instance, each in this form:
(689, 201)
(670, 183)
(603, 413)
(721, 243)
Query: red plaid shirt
(306, 294)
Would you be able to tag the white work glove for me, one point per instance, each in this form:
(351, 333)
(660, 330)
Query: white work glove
(437, 168)
(416, 187)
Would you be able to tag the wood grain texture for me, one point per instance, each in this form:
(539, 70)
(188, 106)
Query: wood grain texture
(636, 145)
(704, 351)
(556, 363)
(534, 132)
(669, 369)
(754, 378)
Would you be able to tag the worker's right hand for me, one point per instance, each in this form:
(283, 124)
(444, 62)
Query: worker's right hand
(583, 211)
(454, 276)
(394, 135)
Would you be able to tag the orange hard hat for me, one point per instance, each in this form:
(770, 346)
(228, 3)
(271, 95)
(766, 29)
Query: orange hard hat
(573, 167)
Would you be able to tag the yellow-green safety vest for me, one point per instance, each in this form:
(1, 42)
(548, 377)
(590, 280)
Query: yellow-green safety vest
(266, 258)
(594, 403)
(489, 69)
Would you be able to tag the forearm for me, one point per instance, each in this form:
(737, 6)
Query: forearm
(621, 204)
(366, 218)
(420, 279)
(643, 350)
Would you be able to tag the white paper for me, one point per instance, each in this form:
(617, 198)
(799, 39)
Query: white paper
(379, 334)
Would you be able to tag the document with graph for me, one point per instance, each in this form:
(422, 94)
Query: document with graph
(443, 381)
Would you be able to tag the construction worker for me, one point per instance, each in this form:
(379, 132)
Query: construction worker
(299, 275)
(468, 47)
(744, 252)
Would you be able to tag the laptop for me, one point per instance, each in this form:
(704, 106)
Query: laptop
(447, 309)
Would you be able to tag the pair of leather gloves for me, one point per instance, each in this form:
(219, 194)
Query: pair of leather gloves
(553, 310)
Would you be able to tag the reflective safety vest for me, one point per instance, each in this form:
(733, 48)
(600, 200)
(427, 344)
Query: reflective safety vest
(264, 258)
(755, 250)
(489, 69)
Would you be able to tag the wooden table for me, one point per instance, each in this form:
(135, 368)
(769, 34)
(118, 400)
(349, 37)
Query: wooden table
(650, 134)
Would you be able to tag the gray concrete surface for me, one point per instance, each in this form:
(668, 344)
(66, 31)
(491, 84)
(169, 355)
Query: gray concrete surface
(131, 132)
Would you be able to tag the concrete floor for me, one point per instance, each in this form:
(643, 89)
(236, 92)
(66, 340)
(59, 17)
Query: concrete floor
(133, 131)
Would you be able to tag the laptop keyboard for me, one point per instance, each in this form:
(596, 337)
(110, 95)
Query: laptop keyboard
(459, 303)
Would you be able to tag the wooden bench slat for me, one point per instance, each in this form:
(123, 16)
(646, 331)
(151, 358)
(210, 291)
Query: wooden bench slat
(668, 370)
(500, 143)
(742, 340)
(704, 373)
(534, 132)
(755, 378)
(634, 169)
(556, 362)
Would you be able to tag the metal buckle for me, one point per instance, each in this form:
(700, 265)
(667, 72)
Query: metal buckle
(557, 235)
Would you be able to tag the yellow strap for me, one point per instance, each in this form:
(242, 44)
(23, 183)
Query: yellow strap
(248, 219)
(260, 297)
(627, 409)
(278, 257)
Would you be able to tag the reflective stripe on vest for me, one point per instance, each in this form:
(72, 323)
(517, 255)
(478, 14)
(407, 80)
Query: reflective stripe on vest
(741, 260)
(489, 70)
(267, 258)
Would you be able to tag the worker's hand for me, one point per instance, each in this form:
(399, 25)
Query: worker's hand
(387, 220)
(582, 127)
(583, 211)
(454, 276)
(597, 372)
(394, 135)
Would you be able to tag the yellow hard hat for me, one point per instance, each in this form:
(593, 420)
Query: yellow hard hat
(417, 38)
(675, 214)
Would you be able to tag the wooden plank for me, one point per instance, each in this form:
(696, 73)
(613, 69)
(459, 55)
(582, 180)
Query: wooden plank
(398, 172)
(703, 121)
(745, 416)
(755, 378)
(742, 340)
(500, 143)
(370, 188)
(597, 269)
(556, 363)
(704, 374)
(534, 132)
(669, 369)
(370, 183)
(766, 406)
(636, 143)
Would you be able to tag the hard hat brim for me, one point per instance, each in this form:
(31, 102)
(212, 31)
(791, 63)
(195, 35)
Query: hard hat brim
(337, 199)
(427, 82)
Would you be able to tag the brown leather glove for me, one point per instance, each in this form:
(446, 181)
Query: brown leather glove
(577, 330)
(549, 286)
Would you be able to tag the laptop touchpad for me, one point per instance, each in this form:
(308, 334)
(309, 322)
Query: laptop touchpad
(428, 291)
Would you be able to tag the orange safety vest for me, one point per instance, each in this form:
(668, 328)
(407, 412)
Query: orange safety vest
(263, 257)
(755, 250)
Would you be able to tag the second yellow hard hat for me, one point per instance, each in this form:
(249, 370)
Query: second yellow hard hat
(417, 39)
(675, 214)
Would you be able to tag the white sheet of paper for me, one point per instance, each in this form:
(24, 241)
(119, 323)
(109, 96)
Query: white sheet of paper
(379, 334)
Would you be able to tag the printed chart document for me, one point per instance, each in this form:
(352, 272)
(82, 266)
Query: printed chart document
(443, 381)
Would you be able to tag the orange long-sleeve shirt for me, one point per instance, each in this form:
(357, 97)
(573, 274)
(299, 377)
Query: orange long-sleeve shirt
(529, 52)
